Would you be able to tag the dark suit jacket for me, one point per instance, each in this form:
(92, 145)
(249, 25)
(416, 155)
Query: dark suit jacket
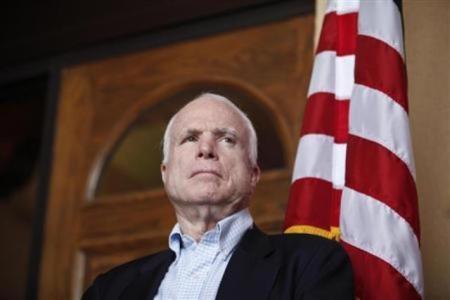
(289, 266)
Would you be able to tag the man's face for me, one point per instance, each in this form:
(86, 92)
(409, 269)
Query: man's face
(208, 157)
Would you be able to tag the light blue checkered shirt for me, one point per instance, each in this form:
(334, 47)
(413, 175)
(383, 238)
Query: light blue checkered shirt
(198, 268)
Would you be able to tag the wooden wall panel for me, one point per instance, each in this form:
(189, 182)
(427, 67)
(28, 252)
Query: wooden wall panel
(99, 101)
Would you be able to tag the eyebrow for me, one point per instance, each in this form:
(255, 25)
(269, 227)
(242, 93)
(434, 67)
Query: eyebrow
(225, 131)
(216, 132)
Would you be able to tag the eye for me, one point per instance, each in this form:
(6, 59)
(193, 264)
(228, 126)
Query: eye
(229, 140)
(190, 138)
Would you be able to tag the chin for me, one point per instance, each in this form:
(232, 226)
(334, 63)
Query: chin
(208, 198)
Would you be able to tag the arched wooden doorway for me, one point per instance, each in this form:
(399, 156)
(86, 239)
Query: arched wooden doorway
(106, 205)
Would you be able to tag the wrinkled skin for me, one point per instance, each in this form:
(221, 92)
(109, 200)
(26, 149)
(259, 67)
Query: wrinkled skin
(208, 175)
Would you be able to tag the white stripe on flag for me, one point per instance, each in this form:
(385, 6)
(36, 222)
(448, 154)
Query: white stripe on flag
(389, 30)
(343, 7)
(313, 159)
(322, 77)
(376, 117)
(344, 80)
(338, 172)
(348, 6)
(331, 6)
(374, 227)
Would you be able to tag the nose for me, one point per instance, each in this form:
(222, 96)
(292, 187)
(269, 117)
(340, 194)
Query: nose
(207, 148)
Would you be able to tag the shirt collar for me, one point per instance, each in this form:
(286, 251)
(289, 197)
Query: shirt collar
(227, 233)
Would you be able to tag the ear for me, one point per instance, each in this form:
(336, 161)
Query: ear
(163, 173)
(256, 173)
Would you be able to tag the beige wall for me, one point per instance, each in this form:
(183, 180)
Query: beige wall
(427, 39)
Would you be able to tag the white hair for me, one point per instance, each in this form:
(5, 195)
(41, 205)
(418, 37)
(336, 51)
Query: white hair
(252, 145)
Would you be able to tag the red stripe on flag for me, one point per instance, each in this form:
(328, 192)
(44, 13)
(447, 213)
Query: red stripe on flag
(328, 36)
(347, 28)
(335, 207)
(344, 42)
(309, 203)
(381, 67)
(325, 115)
(376, 279)
(341, 120)
(375, 171)
(319, 115)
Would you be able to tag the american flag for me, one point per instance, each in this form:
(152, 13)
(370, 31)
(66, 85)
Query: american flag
(354, 174)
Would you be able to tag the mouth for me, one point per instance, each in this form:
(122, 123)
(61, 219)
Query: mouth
(206, 172)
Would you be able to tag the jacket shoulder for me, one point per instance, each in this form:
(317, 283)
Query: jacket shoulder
(308, 252)
(306, 242)
(120, 276)
(320, 267)
(136, 264)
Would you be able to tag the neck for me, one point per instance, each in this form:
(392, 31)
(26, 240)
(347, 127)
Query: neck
(195, 221)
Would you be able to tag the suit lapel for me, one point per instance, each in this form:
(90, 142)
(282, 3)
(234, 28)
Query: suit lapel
(146, 285)
(252, 269)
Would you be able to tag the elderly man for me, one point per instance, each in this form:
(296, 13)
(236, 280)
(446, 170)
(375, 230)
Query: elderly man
(216, 252)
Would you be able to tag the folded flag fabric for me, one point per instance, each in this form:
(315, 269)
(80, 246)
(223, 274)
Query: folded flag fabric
(354, 174)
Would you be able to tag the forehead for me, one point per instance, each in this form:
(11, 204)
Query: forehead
(205, 114)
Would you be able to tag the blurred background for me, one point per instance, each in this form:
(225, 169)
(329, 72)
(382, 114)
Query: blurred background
(86, 88)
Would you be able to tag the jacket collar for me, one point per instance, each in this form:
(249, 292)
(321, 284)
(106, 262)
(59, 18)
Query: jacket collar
(150, 275)
(252, 269)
